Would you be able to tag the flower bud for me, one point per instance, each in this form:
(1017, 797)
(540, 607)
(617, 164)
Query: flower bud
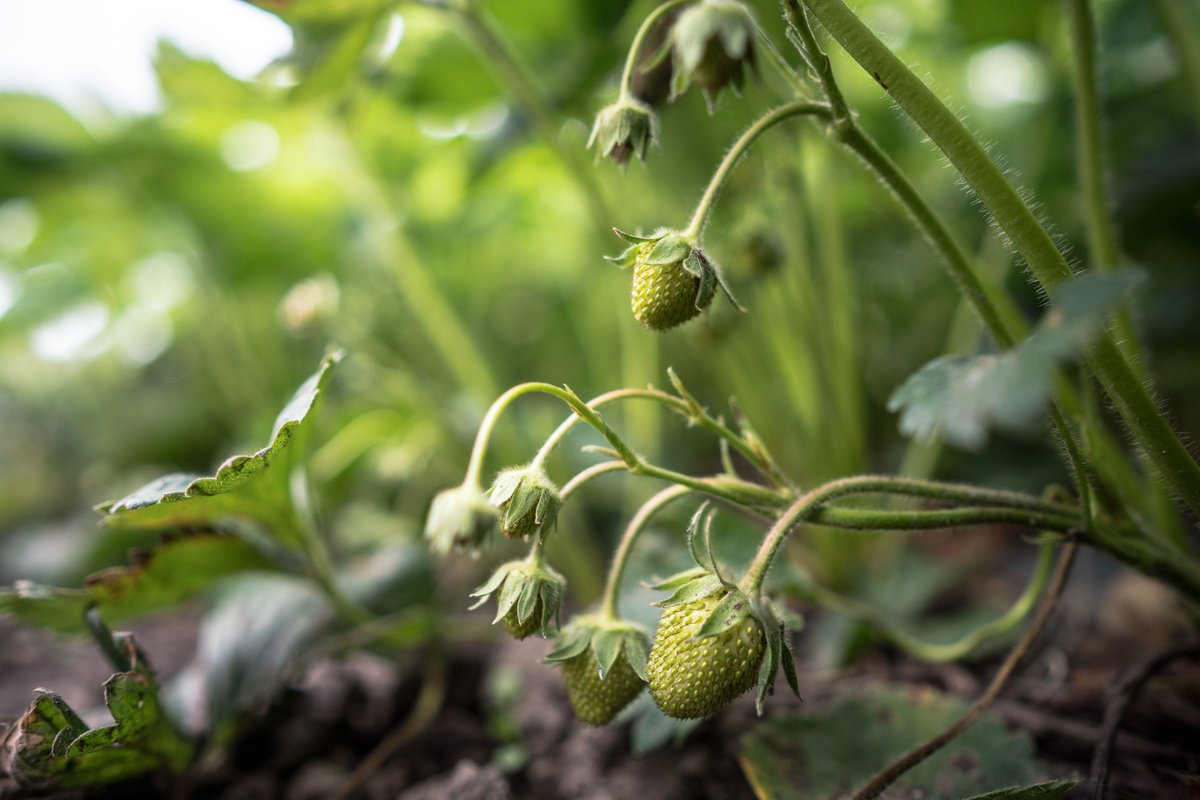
(712, 43)
(460, 519)
(622, 129)
(528, 596)
(527, 499)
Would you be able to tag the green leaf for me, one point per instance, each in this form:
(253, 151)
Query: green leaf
(254, 637)
(671, 249)
(251, 486)
(637, 653)
(829, 754)
(50, 746)
(158, 578)
(961, 398)
(1051, 790)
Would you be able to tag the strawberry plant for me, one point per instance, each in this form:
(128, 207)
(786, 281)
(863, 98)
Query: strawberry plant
(433, 194)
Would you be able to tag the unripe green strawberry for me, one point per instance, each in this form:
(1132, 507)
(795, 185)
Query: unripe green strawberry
(693, 678)
(597, 700)
(665, 295)
(523, 630)
(673, 280)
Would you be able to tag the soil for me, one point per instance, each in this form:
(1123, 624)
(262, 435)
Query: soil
(478, 747)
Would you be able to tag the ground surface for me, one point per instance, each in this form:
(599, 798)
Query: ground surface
(488, 742)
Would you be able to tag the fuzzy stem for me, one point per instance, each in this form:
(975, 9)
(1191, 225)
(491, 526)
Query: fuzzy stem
(1133, 401)
(592, 472)
(893, 771)
(612, 587)
(692, 411)
(803, 508)
(695, 227)
(891, 520)
(638, 39)
(950, 651)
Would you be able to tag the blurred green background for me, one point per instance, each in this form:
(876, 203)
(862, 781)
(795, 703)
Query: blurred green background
(168, 276)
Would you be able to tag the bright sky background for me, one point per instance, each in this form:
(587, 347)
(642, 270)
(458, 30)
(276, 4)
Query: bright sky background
(85, 52)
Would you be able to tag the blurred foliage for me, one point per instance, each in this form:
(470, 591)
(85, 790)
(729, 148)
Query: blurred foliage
(166, 280)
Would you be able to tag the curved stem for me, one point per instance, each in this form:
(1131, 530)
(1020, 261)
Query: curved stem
(764, 123)
(594, 471)
(693, 411)
(889, 774)
(1013, 215)
(608, 604)
(639, 38)
(484, 435)
(950, 651)
(803, 508)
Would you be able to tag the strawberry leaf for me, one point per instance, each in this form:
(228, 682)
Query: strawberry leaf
(253, 487)
(51, 746)
(158, 578)
(961, 398)
(607, 646)
(693, 590)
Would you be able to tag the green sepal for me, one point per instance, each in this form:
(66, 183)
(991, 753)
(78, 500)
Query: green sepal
(552, 597)
(529, 598)
(510, 592)
(789, 662)
(679, 579)
(606, 644)
(635, 239)
(637, 653)
(732, 609)
(700, 545)
(505, 486)
(706, 585)
(491, 585)
(670, 249)
(575, 641)
(625, 258)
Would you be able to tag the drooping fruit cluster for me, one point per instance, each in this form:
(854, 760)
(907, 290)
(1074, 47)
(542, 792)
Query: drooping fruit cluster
(692, 678)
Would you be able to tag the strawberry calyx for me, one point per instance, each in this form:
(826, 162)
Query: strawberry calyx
(529, 595)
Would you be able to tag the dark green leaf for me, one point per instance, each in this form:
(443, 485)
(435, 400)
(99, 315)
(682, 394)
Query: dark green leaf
(50, 746)
(693, 590)
(159, 578)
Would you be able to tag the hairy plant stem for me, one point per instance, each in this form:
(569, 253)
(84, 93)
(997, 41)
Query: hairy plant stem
(612, 587)
(1001, 321)
(727, 488)
(1133, 401)
(586, 475)
(949, 651)
(893, 771)
(695, 229)
(638, 39)
(1039, 513)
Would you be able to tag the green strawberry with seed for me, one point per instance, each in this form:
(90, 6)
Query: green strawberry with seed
(597, 700)
(519, 629)
(528, 595)
(673, 280)
(692, 678)
(603, 660)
